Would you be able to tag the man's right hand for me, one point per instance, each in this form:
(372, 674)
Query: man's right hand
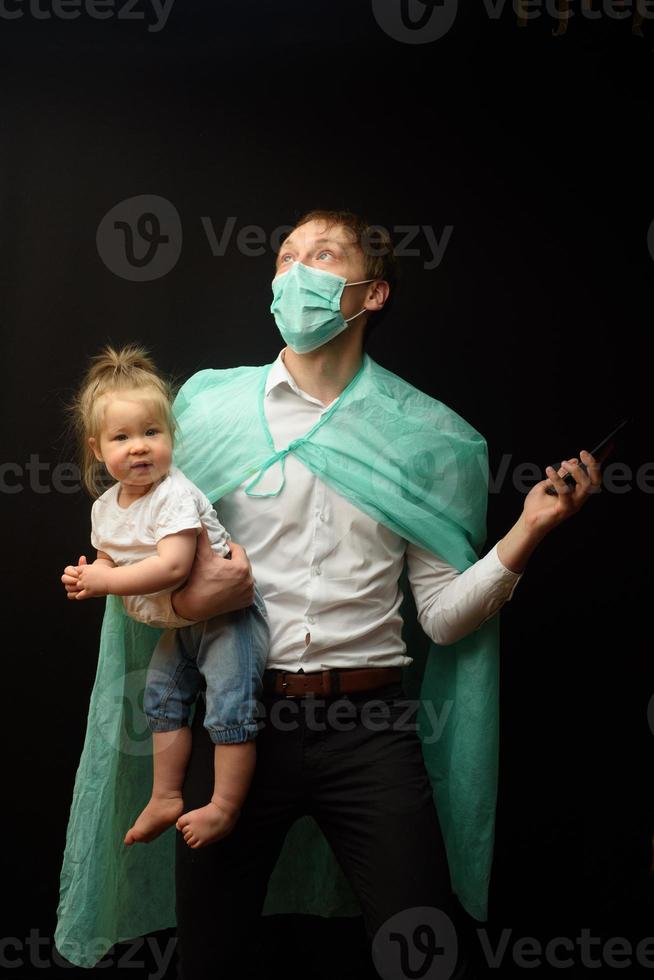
(215, 585)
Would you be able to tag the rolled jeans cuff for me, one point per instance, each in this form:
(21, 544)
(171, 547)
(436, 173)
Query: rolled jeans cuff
(233, 735)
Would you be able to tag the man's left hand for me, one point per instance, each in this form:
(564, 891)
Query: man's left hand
(543, 511)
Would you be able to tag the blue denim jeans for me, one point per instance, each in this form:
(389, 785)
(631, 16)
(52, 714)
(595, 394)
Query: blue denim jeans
(227, 652)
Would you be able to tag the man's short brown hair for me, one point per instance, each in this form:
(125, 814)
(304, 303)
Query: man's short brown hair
(374, 241)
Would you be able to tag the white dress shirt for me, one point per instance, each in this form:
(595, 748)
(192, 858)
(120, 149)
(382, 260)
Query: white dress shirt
(329, 573)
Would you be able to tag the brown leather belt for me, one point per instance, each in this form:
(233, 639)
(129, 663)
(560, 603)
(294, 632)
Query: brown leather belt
(329, 682)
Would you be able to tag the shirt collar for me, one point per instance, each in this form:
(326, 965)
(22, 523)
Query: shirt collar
(280, 375)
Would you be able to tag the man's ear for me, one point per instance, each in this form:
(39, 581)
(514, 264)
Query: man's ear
(94, 446)
(379, 291)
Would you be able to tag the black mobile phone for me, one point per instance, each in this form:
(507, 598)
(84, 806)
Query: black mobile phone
(600, 453)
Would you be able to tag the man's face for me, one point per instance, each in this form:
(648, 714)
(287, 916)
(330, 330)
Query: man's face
(331, 249)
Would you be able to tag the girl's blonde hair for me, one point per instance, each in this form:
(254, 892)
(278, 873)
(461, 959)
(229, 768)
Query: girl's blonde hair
(128, 369)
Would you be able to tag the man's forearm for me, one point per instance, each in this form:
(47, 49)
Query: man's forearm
(198, 604)
(517, 546)
(215, 586)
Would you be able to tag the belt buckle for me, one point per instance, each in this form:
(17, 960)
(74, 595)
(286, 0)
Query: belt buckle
(284, 683)
(329, 682)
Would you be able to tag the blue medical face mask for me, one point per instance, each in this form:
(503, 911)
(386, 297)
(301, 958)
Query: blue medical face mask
(307, 306)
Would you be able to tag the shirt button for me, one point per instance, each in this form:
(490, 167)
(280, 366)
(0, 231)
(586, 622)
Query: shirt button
(322, 517)
(311, 619)
(316, 570)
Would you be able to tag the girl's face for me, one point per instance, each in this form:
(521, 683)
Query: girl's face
(134, 443)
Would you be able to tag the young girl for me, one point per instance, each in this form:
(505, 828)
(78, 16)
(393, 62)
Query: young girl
(144, 528)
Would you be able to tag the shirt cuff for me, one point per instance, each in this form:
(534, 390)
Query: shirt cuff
(500, 572)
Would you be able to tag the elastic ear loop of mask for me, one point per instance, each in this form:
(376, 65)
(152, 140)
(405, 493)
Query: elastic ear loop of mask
(360, 283)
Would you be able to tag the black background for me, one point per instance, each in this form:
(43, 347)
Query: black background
(534, 328)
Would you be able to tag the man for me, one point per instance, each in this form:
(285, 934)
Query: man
(333, 474)
(329, 570)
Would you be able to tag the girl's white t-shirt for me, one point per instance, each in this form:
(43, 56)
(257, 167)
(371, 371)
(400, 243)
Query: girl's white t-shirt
(130, 534)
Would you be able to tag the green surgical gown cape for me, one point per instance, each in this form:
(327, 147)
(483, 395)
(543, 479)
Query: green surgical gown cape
(410, 463)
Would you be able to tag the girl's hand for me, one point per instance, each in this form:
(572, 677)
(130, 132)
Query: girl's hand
(93, 580)
(70, 578)
(543, 512)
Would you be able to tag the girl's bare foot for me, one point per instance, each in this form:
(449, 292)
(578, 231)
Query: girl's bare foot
(207, 824)
(158, 815)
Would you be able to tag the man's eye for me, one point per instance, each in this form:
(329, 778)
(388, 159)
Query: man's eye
(324, 252)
